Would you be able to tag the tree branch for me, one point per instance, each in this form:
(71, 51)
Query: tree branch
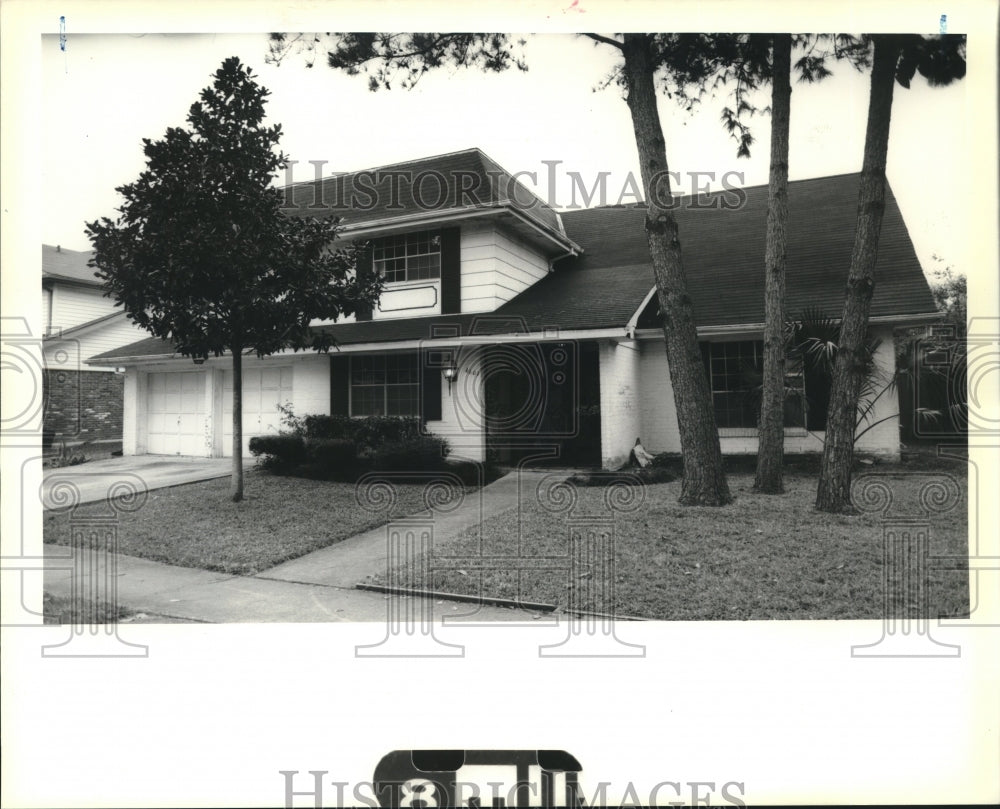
(606, 40)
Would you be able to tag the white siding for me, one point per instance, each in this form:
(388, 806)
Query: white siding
(74, 306)
(518, 266)
(73, 352)
(462, 410)
(495, 267)
(478, 251)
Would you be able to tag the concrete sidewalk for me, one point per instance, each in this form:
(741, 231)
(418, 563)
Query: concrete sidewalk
(116, 477)
(353, 560)
(316, 587)
(202, 596)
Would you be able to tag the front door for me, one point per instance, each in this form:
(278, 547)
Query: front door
(543, 403)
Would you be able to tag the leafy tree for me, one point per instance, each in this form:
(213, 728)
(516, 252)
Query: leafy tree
(896, 58)
(202, 254)
(406, 57)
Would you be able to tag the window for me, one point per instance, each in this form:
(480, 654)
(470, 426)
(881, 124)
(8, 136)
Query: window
(385, 385)
(735, 373)
(409, 257)
(730, 372)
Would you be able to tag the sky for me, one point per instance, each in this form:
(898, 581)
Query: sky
(104, 93)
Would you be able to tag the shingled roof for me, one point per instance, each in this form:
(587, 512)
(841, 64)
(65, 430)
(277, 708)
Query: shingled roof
(61, 264)
(724, 252)
(440, 184)
(723, 260)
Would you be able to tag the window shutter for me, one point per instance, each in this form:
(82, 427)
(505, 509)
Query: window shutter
(430, 392)
(365, 269)
(451, 271)
(340, 385)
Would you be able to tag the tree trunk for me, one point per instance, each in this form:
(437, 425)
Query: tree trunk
(236, 485)
(771, 447)
(704, 477)
(834, 491)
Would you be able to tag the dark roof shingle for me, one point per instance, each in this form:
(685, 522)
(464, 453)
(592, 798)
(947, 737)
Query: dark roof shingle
(431, 184)
(723, 252)
(723, 262)
(58, 263)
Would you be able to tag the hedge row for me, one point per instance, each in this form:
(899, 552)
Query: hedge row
(341, 448)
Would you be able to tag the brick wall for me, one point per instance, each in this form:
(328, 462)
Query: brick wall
(84, 405)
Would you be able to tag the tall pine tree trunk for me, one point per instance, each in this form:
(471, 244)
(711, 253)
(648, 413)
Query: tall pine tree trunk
(236, 484)
(834, 491)
(704, 477)
(771, 447)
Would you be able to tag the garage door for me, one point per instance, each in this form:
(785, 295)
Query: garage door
(175, 414)
(263, 390)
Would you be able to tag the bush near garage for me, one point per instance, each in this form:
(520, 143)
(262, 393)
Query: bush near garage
(343, 448)
(278, 453)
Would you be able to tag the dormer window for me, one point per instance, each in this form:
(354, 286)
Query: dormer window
(408, 257)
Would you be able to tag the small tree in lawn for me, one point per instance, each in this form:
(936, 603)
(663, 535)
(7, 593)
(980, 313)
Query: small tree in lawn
(201, 253)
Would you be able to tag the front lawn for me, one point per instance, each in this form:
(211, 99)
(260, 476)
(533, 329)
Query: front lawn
(280, 518)
(763, 557)
(63, 610)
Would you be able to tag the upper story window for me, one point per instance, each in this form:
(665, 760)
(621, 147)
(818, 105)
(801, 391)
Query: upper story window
(408, 257)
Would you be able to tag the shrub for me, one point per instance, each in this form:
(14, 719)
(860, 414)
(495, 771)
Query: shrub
(426, 453)
(332, 458)
(278, 452)
(370, 432)
(633, 476)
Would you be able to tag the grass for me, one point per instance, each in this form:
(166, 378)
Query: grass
(62, 610)
(280, 518)
(763, 557)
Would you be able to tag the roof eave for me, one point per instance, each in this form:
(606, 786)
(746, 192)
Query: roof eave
(425, 218)
(597, 333)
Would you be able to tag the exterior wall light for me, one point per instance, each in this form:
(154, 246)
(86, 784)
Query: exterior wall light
(199, 360)
(451, 374)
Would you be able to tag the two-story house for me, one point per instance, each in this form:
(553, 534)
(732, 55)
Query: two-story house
(511, 328)
(83, 403)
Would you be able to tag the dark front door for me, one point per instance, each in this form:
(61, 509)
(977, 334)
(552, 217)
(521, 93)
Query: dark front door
(543, 403)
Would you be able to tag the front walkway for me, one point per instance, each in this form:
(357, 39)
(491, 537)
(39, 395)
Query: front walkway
(96, 480)
(353, 560)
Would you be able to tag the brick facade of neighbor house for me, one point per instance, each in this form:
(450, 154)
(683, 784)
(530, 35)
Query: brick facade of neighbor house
(84, 405)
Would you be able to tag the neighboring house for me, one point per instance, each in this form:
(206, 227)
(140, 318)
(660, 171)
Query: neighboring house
(513, 329)
(83, 403)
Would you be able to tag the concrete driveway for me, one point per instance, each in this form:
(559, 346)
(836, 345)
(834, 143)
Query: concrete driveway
(129, 475)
